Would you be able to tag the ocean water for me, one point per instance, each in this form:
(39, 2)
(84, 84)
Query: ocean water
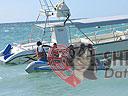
(14, 81)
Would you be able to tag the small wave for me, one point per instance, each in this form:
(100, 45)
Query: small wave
(6, 30)
(12, 28)
(1, 78)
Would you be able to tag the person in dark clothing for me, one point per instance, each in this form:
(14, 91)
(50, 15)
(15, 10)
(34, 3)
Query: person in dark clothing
(92, 61)
(82, 49)
(90, 72)
(71, 55)
(71, 51)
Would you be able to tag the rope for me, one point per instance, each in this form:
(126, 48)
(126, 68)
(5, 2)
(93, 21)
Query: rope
(38, 17)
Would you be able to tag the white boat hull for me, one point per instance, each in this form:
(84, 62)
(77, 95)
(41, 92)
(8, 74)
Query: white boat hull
(37, 66)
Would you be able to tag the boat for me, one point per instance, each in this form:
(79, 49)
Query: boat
(103, 43)
(37, 66)
(11, 53)
(60, 31)
(21, 53)
(18, 53)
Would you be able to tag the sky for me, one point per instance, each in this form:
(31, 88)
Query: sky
(28, 10)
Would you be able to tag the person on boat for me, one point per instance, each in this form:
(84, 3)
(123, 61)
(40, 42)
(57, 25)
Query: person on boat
(55, 52)
(72, 51)
(90, 72)
(54, 45)
(71, 55)
(82, 49)
(40, 52)
(93, 60)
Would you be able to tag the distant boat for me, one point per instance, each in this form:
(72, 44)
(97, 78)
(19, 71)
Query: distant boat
(6, 30)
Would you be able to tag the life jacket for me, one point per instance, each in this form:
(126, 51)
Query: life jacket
(41, 54)
(55, 52)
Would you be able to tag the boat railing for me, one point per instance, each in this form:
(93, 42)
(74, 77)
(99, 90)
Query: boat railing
(104, 35)
(113, 35)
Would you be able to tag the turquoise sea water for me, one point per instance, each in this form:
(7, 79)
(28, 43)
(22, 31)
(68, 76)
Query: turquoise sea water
(14, 81)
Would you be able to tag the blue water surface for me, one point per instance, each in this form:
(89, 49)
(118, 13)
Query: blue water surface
(14, 81)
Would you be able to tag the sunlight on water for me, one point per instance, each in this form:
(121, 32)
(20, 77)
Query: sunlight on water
(1, 78)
